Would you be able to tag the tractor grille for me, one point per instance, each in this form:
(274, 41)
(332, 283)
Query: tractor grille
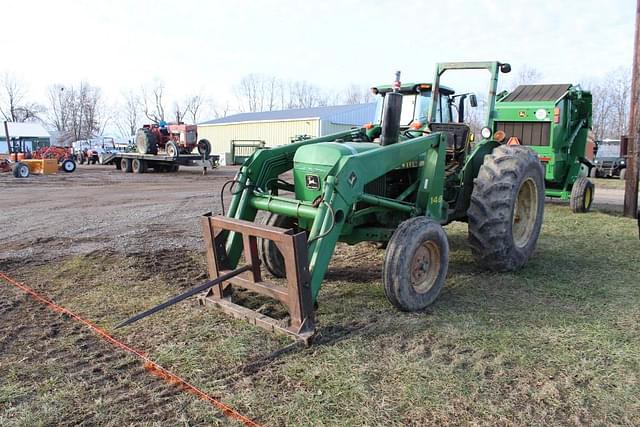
(529, 133)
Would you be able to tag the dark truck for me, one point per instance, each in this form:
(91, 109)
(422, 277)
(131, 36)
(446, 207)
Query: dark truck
(609, 161)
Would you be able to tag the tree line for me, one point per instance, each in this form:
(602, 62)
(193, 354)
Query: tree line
(81, 111)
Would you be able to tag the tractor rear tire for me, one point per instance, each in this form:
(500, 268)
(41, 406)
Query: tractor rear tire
(125, 165)
(138, 166)
(68, 165)
(506, 208)
(582, 194)
(21, 170)
(146, 142)
(269, 253)
(415, 264)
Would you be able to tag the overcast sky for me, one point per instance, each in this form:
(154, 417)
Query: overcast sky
(210, 45)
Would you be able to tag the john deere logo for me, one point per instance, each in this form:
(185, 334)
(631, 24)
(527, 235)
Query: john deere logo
(352, 178)
(522, 114)
(312, 182)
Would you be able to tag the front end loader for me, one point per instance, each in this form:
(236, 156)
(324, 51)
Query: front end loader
(396, 181)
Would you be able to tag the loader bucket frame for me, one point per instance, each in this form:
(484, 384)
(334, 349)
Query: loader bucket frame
(296, 297)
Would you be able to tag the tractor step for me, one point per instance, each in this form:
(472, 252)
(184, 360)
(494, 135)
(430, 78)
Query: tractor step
(296, 296)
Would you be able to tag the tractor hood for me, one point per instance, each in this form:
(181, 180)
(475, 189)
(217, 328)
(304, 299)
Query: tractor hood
(312, 163)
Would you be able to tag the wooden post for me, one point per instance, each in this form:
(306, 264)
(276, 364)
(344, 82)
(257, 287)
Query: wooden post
(631, 184)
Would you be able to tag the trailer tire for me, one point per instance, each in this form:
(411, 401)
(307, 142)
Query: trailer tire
(125, 165)
(415, 264)
(21, 170)
(68, 165)
(506, 208)
(138, 166)
(582, 194)
(269, 253)
(118, 164)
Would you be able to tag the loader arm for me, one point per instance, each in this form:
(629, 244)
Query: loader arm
(343, 188)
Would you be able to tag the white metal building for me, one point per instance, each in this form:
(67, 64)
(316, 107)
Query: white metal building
(280, 127)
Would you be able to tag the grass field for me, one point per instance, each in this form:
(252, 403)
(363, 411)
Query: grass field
(556, 343)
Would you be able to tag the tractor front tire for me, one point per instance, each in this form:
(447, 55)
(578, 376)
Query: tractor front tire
(204, 148)
(506, 208)
(415, 264)
(269, 253)
(172, 150)
(582, 194)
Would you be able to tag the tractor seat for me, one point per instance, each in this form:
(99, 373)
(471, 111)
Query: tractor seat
(457, 134)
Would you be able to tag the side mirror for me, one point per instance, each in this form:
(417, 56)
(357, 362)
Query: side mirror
(473, 100)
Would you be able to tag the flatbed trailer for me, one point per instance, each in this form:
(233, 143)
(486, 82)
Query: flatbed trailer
(141, 163)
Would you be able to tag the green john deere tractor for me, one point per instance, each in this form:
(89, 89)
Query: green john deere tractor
(554, 121)
(396, 181)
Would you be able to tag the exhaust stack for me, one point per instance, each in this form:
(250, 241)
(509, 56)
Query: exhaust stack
(391, 114)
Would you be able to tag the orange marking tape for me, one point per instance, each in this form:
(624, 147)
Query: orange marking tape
(149, 364)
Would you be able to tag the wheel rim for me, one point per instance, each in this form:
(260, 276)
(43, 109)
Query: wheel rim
(525, 211)
(68, 166)
(24, 171)
(171, 150)
(425, 266)
(587, 198)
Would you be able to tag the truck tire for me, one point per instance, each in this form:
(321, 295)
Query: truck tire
(68, 165)
(506, 208)
(146, 142)
(582, 194)
(204, 147)
(415, 264)
(21, 170)
(623, 173)
(269, 253)
(138, 166)
(172, 150)
(125, 165)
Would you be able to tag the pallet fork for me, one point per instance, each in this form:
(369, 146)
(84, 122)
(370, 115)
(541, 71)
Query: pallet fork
(296, 296)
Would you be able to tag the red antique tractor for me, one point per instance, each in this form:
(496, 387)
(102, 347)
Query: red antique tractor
(174, 139)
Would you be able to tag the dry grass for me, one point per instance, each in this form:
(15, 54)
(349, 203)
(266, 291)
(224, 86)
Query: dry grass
(556, 343)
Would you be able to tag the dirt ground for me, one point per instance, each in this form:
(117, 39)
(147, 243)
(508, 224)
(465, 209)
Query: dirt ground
(108, 244)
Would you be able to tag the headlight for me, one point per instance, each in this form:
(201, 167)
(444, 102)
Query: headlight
(622, 162)
(595, 162)
(486, 133)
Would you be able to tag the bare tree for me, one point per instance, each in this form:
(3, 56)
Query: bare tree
(77, 112)
(128, 113)
(610, 103)
(355, 94)
(178, 112)
(14, 106)
(525, 76)
(194, 105)
(153, 102)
